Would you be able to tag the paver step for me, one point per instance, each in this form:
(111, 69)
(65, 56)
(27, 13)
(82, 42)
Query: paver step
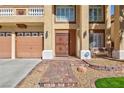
(58, 84)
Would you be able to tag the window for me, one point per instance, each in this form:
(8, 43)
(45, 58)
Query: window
(35, 34)
(65, 13)
(5, 34)
(19, 34)
(27, 34)
(8, 34)
(96, 13)
(96, 40)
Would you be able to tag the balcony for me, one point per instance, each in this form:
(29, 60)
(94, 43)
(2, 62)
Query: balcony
(30, 14)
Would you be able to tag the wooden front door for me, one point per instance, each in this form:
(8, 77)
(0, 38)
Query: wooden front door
(62, 44)
(72, 42)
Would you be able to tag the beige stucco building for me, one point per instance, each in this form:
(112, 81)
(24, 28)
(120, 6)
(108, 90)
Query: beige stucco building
(31, 31)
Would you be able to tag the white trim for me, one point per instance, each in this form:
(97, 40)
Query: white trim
(13, 45)
(118, 54)
(47, 54)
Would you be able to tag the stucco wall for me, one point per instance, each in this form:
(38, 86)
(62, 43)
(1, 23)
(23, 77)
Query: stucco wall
(13, 27)
(97, 26)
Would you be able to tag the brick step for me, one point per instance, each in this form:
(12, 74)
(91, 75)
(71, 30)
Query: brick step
(58, 84)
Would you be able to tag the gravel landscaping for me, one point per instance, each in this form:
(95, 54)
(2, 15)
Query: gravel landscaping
(106, 62)
(87, 79)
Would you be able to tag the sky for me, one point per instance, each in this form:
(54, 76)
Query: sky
(112, 9)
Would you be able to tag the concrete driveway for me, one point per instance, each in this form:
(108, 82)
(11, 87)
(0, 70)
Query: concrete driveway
(13, 71)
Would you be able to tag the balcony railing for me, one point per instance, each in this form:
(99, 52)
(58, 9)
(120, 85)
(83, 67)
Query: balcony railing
(33, 11)
(6, 11)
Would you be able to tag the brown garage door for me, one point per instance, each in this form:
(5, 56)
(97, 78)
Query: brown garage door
(29, 44)
(5, 44)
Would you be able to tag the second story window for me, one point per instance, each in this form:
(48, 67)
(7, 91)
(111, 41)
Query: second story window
(96, 13)
(65, 13)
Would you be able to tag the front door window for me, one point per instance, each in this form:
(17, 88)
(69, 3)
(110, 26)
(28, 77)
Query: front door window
(96, 39)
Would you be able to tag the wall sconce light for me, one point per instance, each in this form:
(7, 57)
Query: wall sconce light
(23, 26)
(0, 26)
(46, 34)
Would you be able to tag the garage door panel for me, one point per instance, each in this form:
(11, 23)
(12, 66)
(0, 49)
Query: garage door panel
(5, 45)
(29, 46)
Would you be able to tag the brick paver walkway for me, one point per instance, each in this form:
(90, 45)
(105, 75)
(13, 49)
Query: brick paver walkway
(59, 74)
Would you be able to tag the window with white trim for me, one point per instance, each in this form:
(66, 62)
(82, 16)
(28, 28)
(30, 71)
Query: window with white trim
(65, 13)
(96, 13)
(96, 40)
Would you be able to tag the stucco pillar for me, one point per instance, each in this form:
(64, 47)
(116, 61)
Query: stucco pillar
(13, 46)
(84, 32)
(48, 30)
(107, 22)
(115, 53)
(119, 32)
(108, 27)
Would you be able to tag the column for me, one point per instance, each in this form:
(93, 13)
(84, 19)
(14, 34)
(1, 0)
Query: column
(121, 32)
(13, 46)
(84, 32)
(115, 53)
(48, 30)
(108, 39)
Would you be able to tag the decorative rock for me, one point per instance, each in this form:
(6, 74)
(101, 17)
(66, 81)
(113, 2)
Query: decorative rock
(81, 69)
(104, 68)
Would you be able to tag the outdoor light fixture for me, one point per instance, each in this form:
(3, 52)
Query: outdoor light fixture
(22, 26)
(0, 26)
(46, 34)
